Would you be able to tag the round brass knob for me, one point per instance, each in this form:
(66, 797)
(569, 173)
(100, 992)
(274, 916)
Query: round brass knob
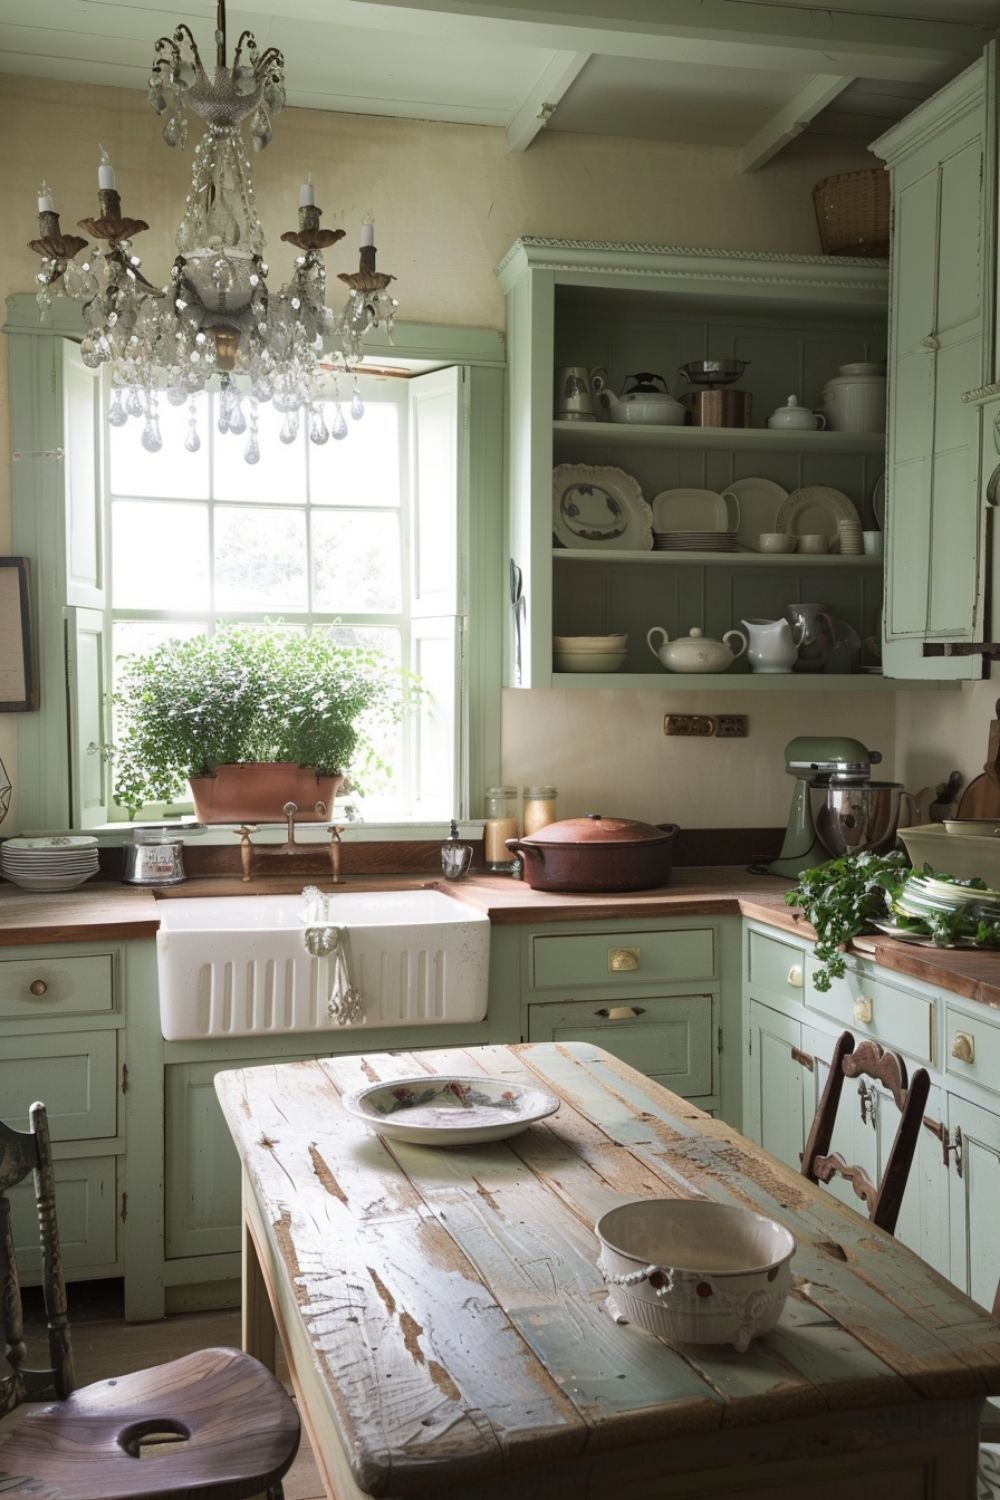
(794, 977)
(963, 1047)
(38, 987)
(864, 1011)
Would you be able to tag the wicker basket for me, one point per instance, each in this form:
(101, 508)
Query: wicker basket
(852, 211)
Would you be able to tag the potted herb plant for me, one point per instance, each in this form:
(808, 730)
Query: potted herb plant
(252, 717)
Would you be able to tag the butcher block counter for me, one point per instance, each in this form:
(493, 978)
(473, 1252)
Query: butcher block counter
(103, 911)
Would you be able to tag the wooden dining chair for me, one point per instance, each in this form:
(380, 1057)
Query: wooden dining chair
(868, 1060)
(222, 1425)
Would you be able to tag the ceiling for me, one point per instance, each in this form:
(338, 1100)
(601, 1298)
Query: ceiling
(752, 74)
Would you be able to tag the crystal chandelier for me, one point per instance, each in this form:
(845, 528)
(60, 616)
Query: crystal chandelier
(215, 325)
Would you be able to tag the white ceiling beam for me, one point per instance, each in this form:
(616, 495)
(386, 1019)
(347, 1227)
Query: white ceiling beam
(540, 105)
(806, 38)
(789, 122)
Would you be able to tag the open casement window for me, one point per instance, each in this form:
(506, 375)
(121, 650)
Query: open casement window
(362, 538)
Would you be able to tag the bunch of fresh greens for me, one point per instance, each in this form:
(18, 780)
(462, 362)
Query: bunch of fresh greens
(842, 898)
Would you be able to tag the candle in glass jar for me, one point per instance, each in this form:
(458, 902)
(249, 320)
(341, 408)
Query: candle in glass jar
(539, 808)
(500, 825)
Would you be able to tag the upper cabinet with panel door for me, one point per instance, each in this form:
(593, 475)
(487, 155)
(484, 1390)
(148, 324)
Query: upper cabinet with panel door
(942, 351)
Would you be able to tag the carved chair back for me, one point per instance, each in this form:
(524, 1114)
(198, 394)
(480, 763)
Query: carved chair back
(23, 1152)
(869, 1060)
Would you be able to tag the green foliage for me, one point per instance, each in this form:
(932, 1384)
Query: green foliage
(841, 898)
(249, 694)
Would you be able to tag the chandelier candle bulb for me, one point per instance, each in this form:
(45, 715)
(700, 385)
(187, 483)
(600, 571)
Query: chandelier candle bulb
(105, 172)
(46, 204)
(367, 233)
(307, 194)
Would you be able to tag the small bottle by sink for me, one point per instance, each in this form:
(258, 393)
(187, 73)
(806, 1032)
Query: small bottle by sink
(456, 857)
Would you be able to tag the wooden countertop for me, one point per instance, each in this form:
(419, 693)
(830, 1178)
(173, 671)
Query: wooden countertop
(105, 911)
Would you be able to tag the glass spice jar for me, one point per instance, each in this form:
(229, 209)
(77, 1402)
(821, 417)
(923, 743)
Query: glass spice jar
(539, 808)
(500, 825)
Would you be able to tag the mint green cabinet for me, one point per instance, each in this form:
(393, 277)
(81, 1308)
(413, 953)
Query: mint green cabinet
(776, 1114)
(74, 1073)
(88, 1207)
(201, 1177)
(974, 1180)
(942, 163)
(671, 1038)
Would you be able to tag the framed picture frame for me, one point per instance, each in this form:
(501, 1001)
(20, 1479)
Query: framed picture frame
(17, 687)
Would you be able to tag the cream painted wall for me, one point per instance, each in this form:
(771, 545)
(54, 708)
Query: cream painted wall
(449, 200)
(608, 753)
(933, 740)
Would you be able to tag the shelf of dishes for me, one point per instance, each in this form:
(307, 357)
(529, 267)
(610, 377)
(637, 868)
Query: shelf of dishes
(717, 439)
(739, 682)
(741, 559)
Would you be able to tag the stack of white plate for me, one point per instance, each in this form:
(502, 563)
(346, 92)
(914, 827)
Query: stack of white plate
(589, 653)
(52, 864)
(695, 541)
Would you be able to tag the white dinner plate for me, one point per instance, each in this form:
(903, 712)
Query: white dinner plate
(58, 841)
(694, 510)
(759, 502)
(600, 506)
(449, 1111)
(878, 502)
(815, 509)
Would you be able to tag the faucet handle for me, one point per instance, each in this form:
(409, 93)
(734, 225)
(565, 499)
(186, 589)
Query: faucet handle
(246, 849)
(290, 807)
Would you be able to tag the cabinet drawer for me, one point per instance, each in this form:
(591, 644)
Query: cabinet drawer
(86, 1211)
(972, 1049)
(776, 970)
(670, 1039)
(870, 1007)
(599, 959)
(73, 1073)
(33, 988)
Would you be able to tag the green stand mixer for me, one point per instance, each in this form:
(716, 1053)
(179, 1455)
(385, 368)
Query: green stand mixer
(857, 813)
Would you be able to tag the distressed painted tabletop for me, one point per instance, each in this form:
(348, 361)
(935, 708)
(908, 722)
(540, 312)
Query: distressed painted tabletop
(443, 1316)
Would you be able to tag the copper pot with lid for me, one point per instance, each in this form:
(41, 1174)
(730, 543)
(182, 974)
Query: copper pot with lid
(597, 854)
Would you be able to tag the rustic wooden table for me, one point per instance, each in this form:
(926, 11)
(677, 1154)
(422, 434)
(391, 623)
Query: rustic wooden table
(443, 1317)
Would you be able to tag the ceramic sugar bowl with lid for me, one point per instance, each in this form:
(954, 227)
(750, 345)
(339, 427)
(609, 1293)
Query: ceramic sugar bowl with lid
(795, 417)
(695, 652)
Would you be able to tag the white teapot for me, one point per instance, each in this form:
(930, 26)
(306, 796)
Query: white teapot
(645, 399)
(695, 652)
(792, 415)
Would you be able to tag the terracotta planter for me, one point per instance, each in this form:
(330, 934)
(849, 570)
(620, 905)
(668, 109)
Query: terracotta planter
(257, 793)
(597, 854)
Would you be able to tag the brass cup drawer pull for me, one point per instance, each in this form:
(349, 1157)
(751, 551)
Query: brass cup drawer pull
(620, 1012)
(963, 1047)
(864, 1010)
(38, 987)
(623, 960)
(795, 977)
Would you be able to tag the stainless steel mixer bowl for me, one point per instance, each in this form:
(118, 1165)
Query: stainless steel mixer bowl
(853, 819)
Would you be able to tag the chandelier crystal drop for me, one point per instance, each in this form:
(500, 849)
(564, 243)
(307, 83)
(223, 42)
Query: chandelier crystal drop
(215, 325)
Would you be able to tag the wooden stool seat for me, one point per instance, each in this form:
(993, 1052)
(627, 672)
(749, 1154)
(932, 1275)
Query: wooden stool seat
(242, 1431)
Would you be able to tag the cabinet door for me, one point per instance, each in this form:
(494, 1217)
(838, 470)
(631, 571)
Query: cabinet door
(974, 1185)
(202, 1186)
(670, 1038)
(775, 1115)
(86, 1211)
(940, 347)
(923, 1218)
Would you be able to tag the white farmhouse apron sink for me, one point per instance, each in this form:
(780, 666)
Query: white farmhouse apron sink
(236, 965)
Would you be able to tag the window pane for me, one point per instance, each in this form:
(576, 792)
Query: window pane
(381, 638)
(363, 469)
(173, 472)
(356, 565)
(260, 558)
(159, 555)
(278, 478)
(139, 637)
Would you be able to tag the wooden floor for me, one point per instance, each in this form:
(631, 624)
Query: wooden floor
(104, 1344)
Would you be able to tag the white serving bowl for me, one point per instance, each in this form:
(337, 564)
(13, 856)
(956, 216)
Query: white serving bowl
(568, 643)
(962, 854)
(695, 1272)
(588, 661)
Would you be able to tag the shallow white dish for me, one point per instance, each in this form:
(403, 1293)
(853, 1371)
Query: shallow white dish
(59, 841)
(449, 1111)
(695, 1272)
(589, 642)
(815, 509)
(600, 506)
(878, 502)
(55, 883)
(759, 502)
(685, 509)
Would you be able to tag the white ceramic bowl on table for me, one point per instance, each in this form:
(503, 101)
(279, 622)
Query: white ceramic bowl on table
(695, 1272)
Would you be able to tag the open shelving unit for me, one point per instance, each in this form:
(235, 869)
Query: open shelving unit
(587, 435)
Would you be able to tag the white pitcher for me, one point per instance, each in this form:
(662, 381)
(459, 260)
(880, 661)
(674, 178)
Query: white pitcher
(773, 647)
